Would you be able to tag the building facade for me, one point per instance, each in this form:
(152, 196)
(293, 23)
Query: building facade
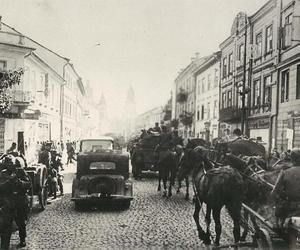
(49, 102)
(185, 98)
(288, 87)
(207, 98)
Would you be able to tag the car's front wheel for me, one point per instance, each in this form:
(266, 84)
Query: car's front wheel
(125, 205)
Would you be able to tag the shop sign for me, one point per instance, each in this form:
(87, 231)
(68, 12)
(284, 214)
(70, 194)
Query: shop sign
(259, 123)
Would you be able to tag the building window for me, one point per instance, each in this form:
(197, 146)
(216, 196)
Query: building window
(223, 100)
(208, 82)
(258, 42)
(224, 67)
(269, 39)
(256, 93)
(203, 85)
(229, 98)
(3, 65)
(216, 78)
(241, 53)
(267, 90)
(208, 110)
(215, 108)
(202, 112)
(288, 19)
(285, 82)
(198, 113)
(230, 64)
(298, 82)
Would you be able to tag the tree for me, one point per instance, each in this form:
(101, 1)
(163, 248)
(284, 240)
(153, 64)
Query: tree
(8, 78)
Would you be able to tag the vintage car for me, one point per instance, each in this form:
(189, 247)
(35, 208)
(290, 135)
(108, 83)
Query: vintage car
(102, 175)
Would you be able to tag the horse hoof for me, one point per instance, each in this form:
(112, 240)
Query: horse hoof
(169, 194)
(187, 197)
(178, 191)
(158, 190)
(164, 193)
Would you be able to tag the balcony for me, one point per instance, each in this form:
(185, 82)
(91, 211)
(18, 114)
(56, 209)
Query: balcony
(20, 97)
(230, 114)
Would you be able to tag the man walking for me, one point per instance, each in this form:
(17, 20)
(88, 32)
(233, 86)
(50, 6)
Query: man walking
(13, 194)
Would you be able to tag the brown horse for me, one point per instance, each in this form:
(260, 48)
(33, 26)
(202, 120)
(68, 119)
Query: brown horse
(167, 168)
(216, 187)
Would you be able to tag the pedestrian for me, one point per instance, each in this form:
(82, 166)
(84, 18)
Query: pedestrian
(156, 128)
(176, 139)
(13, 192)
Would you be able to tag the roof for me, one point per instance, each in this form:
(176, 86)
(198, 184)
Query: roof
(100, 138)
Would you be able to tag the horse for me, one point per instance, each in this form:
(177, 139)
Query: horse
(216, 187)
(167, 166)
(258, 185)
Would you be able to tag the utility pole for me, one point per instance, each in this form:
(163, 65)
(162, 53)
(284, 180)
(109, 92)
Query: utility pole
(244, 92)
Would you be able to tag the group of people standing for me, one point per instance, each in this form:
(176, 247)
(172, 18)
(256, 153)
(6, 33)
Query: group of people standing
(14, 203)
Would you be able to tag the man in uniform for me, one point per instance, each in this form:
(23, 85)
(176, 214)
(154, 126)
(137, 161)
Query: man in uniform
(287, 190)
(176, 139)
(13, 193)
(163, 146)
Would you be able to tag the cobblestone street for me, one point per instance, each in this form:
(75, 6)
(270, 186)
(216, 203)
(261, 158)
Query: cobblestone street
(152, 221)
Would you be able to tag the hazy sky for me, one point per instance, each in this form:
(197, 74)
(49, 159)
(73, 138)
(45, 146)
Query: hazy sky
(143, 43)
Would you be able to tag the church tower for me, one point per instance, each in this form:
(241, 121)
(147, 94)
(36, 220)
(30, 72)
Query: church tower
(129, 113)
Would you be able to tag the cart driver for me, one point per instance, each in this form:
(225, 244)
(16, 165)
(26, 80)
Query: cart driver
(287, 190)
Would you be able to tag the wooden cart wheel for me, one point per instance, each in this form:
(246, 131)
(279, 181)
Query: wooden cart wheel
(43, 193)
(263, 239)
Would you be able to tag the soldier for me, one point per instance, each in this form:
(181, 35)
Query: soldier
(176, 139)
(287, 190)
(13, 193)
(157, 128)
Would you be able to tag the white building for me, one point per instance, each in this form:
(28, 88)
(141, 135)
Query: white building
(207, 98)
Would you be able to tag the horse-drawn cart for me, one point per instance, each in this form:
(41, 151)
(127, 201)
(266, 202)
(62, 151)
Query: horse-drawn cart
(39, 189)
(266, 234)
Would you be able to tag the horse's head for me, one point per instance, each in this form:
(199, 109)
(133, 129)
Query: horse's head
(192, 158)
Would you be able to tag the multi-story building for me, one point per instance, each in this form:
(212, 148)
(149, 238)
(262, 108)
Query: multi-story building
(49, 100)
(288, 87)
(234, 73)
(185, 95)
(148, 119)
(263, 74)
(207, 98)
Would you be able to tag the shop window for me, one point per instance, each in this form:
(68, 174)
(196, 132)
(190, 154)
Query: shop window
(285, 82)
(298, 82)
(269, 39)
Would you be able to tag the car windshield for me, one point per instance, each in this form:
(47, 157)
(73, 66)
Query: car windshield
(96, 145)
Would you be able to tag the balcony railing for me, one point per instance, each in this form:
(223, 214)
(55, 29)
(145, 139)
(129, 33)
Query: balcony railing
(230, 114)
(20, 97)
